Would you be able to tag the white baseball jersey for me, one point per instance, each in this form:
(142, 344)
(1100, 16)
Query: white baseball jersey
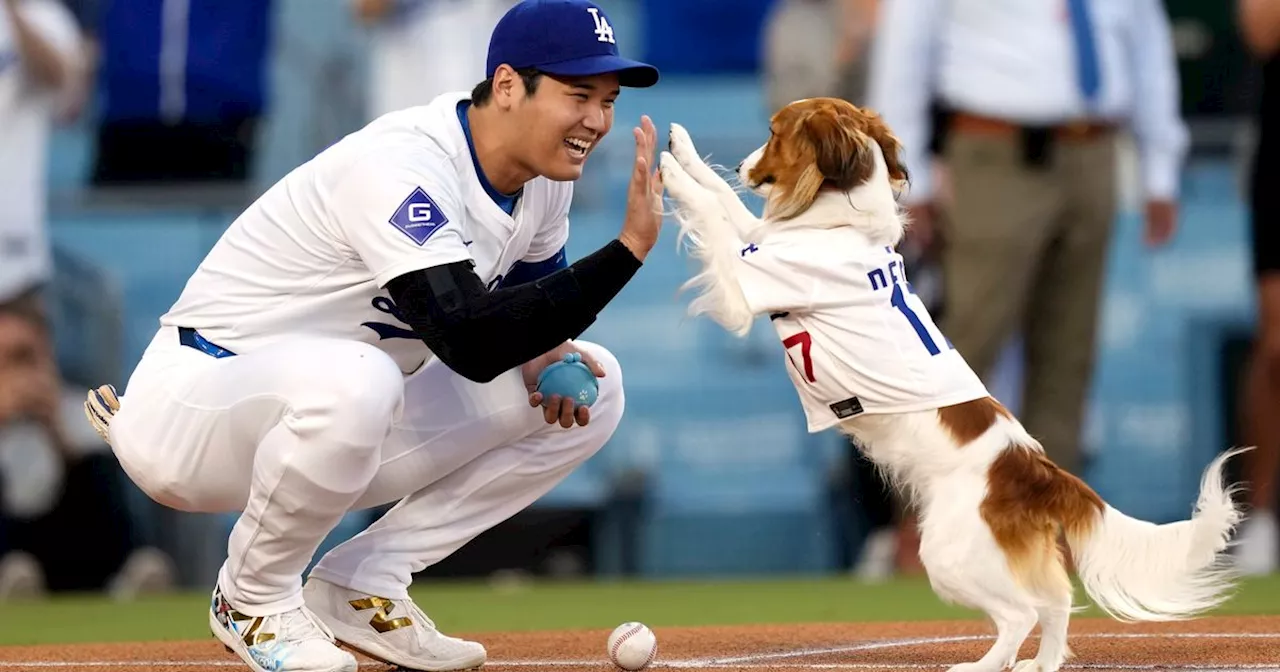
(25, 113)
(313, 254)
(857, 339)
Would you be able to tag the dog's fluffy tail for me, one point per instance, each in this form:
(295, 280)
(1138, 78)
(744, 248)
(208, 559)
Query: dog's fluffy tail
(1134, 570)
(1140, 571)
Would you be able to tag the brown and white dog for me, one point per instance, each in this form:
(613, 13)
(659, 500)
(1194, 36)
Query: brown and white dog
(991, 504)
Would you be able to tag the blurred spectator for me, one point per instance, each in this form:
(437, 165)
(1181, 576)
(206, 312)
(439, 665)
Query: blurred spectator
(422, 48)
(820, 48)
(41, 79)
(184, 87)
(817, 48)
(1258, 551)
(1035, 96)
(64, 522)
(86, 14)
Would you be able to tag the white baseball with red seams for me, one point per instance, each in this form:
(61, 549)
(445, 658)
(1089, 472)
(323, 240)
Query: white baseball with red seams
(632, 646)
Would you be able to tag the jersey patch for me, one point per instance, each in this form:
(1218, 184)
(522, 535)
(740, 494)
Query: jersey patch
(847, 408)
(419, 217)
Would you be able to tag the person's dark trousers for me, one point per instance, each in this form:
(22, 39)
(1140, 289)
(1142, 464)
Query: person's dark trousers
(144, 152)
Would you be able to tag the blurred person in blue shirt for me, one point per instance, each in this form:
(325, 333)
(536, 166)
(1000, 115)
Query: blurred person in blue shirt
(184, 84)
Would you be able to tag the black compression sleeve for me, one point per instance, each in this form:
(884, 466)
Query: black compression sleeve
(480, 334)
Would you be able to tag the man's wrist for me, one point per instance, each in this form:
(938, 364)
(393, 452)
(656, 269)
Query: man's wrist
(637, 247)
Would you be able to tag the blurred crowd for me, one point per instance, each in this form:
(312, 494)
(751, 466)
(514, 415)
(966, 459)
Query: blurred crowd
(1012, 111)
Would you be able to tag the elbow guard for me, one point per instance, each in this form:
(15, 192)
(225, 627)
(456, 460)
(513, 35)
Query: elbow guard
(480, 334)
(436, 302)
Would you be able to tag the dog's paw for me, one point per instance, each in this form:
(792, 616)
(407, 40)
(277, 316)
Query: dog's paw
(681, 145)
(675, 178)
(1029, 666)
(667, 168)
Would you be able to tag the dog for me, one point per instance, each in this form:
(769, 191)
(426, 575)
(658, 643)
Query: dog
(866, 358)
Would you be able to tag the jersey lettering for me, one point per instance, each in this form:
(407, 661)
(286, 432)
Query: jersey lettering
(384, 330)
(907, 303)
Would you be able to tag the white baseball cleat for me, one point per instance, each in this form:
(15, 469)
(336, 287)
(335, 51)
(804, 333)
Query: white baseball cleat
(293, 641)
(392, 631)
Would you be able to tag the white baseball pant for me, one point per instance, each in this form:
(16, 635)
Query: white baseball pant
(298, 433)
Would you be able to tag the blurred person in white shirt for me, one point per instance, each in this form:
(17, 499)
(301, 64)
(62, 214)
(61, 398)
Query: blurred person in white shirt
(1036, 101)
(816, 48)
(423, 48)
(42, 80)
(1034, 97)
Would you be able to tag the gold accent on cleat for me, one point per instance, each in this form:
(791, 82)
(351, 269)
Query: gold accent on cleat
(381, 621)
(251, 636)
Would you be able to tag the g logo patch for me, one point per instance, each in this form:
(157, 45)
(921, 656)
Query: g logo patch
(418, 217)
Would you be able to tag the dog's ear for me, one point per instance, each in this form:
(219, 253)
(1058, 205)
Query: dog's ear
(824, 148)
(890, 148)
(840, 148)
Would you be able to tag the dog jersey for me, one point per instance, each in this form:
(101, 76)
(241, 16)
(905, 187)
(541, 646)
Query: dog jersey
(313, 254)
(857, 340)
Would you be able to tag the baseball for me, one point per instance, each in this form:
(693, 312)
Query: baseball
(632, 646)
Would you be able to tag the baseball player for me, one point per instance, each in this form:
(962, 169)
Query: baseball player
(370, 331)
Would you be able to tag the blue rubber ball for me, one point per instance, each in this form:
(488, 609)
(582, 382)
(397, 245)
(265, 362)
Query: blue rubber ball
(569, 378)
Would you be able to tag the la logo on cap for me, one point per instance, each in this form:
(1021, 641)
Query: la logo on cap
(604, 31)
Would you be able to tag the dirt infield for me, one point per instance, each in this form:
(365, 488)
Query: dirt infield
(1218, 644)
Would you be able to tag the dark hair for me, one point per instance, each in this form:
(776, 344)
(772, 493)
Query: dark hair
(483, 91)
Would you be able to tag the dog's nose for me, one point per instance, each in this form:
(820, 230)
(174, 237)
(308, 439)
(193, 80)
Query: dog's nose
(738, 168)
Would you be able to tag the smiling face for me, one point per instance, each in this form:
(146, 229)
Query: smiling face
(562, 122)
(816, 144)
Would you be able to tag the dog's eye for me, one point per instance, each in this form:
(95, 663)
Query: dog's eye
(769, 179)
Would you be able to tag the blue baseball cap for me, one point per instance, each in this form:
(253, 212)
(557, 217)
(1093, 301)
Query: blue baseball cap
(570, 38)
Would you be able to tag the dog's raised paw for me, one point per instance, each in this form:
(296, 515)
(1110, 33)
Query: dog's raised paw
(665, 160)
(671, 172)
(680, 141)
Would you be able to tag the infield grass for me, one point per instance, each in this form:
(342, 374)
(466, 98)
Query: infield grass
(460, 607)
